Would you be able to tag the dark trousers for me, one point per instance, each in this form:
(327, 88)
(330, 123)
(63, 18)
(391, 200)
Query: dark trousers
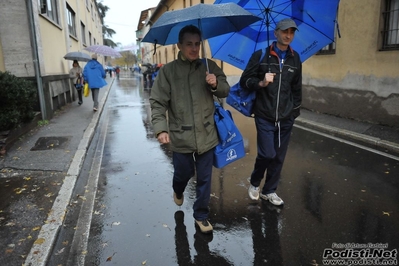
(185, 165)
(94, 95)
(80, 92)
(272, 144)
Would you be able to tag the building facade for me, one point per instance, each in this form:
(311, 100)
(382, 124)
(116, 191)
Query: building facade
(355, 77)
(34, 37)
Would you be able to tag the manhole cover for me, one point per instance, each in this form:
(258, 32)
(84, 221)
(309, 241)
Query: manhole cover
(50, 143)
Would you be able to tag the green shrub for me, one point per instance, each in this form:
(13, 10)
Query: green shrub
(18, 98)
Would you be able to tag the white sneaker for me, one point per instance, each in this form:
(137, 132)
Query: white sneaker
(253, 192)
(273, 198)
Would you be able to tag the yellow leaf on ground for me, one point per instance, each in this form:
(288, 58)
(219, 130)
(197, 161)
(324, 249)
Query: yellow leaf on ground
(36, 228)
(39, 241)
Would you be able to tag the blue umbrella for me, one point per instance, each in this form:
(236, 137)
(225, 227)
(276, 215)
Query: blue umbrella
(212, 20)
(316, 21)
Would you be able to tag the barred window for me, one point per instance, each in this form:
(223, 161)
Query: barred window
(390, 33)
(330, 49)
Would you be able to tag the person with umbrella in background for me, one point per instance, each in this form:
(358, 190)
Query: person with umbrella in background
(277, 80)
(182, 107)
(94, 75)
(75, 73)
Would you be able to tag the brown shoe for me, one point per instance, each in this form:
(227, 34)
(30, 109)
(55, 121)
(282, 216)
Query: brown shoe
(205, 226)
(178, 200)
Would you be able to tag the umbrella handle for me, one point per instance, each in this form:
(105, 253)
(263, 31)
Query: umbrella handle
(155, 46)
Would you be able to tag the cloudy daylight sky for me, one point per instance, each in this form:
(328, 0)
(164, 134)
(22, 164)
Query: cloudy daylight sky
(123, 17)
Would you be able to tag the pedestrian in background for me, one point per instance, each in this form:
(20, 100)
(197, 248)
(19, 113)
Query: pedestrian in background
(182, 108)
(277, 81)
(75, 73)
(94, 75)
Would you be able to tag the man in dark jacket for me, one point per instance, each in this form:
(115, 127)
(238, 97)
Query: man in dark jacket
(182, 107)
(277, 81)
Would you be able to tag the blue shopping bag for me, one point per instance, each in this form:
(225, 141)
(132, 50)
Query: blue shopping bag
(231, 143)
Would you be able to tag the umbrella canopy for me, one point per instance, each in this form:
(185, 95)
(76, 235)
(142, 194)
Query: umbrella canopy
(80, 56)
(316, 21)
(212, 20)
(103, 50)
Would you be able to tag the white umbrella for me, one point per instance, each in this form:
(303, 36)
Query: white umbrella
(103, 50)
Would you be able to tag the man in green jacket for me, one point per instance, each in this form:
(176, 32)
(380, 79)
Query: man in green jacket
(182, 106)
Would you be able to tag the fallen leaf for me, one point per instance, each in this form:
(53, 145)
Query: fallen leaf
(65, 242)
(8, 251)
(10, 224)
(116, 223)
(144, 262)
(82, 197)
(36, 228)
(48, 195)
(110, 257)
(84, 252)
(39, 241)
(386, 213)
(363, 190)
(60, 251)
(166, 226)
(27, 178)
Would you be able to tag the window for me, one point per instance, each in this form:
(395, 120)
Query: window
(90, 38)
(330, 49)
(83, 30)
(71, 21)
(91, 10)
(49, 8)
(94, 41)
(390, 33)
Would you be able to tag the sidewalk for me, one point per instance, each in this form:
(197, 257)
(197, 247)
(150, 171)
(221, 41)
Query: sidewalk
(37, 177)
(56, 152)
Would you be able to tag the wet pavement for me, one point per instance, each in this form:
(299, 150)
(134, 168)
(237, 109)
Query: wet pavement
(334, 193)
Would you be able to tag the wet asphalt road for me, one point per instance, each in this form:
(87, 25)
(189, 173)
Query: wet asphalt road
(333, 193)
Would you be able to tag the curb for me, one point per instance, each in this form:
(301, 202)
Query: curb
(359, 138)
(42, 247)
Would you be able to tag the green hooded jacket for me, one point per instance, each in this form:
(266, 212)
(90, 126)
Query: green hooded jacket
(182, 104)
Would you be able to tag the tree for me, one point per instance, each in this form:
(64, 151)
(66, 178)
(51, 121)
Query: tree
(128, 59)
(107, 31)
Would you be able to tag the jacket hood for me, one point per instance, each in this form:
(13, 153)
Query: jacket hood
(93, 63)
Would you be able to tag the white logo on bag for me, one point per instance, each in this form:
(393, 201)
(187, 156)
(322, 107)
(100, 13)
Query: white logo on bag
(231, 155)
(231, 137)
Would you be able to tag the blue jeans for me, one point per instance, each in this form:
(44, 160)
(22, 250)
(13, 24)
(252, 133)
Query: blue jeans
(272, 144)
(185, 165)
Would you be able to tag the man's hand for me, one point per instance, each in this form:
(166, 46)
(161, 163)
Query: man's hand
(211, 80)
(269, 77)
(163, 138)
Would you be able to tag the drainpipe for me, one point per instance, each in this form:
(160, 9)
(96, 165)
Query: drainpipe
(35, 55)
